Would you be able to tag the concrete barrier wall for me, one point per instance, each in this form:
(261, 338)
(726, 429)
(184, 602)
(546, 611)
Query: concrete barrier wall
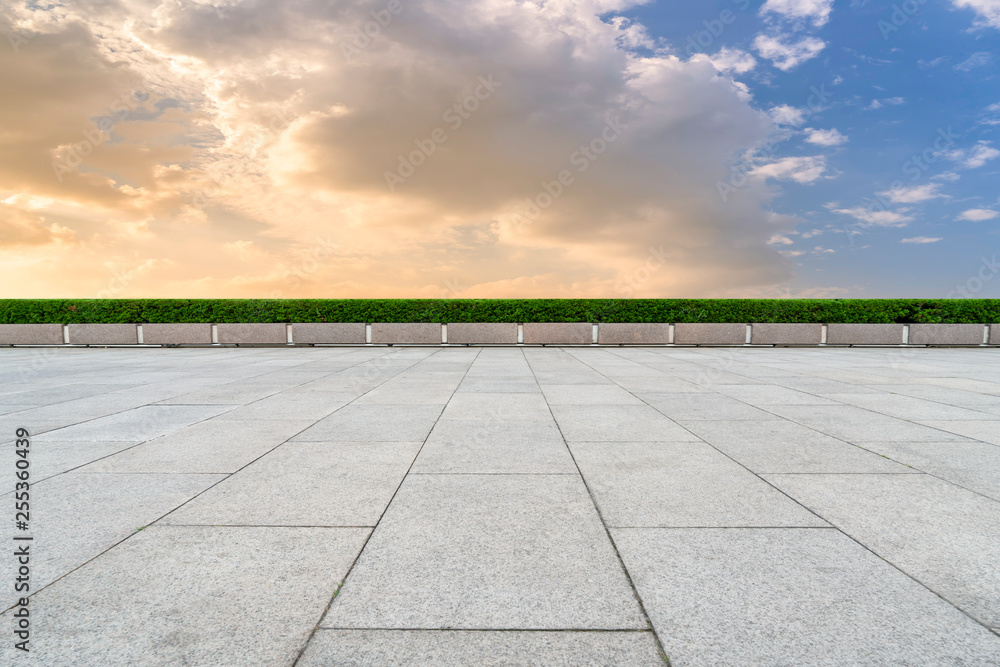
(864, 334)
(946, 334)
(710, 334)
(786, 334)
(103, 334)
(252, 334)
(558, 333)
(31, 334)
(177, 334)
(633, 334)
(406, 334)
(330, 333)
(471, 333)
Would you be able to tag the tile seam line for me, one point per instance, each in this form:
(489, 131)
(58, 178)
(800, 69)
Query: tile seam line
(347, 574)
(540, 630)
(225, 476)
(841, 530)
(607, 532)
(811, 428)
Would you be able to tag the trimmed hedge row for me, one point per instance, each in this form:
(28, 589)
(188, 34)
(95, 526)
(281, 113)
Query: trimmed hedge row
(871, 311)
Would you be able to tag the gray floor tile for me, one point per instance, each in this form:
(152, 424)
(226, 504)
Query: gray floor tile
(214, 446)
(784, 446)
(473, 384)
(859, 426)
(791, 597)
(431, 648)
(236, 393)
(504, 407)
(139, 424)
(306, 484)
(703, 406)
(375, 423)
(973, 465)
(193, 596)
(623, 423)
(762, 395)
(482, 552)
(908, 407)
(76, 516)
(680, 484)
(601, 394)
(470, 446)
(940, 534)
(285, 406)
(54, 457)
(986, 431)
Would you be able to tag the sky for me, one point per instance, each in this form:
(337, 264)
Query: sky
(500, 148)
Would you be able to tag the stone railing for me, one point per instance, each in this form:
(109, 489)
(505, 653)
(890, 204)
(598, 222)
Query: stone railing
(530, 333)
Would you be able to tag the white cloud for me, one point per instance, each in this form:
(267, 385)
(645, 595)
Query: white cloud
(786, 54)
(987, 10)
(975, 60)
(830, 137)
(292, 143)
(892, 101)
(913, 195)
(921, 239)
(779, 239)
(733, 60)
(993, 107)
(798, 169)
(817, 11)
(787, 115)
(949, 176)
(876, 218)
(976, 156)
(979, 215)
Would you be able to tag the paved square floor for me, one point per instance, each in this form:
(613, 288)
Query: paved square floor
(506, 506)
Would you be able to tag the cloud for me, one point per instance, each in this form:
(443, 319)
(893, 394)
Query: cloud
(787, 115)
(974, 61)
(974, 157)
(786, 54)
(257, 130)
(876, 218)
(733, 60)
(892, 101)
(913, 195)
(798, 169)
(831, 137)
(988, 11)
(979, 215)
(816, 11)
(921, 239)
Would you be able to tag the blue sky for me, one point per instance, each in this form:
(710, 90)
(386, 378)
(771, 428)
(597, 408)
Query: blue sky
(930, 70)
(500, 148)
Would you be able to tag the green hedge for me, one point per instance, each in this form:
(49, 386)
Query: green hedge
(28, 311)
